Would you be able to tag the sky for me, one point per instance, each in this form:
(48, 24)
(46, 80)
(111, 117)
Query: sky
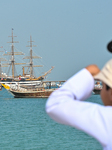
(69, 34)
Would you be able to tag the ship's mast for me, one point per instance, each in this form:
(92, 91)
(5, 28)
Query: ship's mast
(31, 57)
(31, 60)
(12, 53)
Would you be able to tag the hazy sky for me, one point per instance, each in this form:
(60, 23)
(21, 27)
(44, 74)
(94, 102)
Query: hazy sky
(69, 34)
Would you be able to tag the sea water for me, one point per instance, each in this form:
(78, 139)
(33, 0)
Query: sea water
(24, 125)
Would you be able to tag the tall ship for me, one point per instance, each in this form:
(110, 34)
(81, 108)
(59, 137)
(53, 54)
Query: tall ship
(25, 77)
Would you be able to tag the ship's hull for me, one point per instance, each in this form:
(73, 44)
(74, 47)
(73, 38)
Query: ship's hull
(32, 94)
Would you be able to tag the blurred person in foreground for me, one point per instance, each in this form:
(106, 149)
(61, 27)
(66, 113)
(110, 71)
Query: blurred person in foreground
(66, 105)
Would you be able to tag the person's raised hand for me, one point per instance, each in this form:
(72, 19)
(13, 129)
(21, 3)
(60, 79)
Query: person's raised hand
(93, 69)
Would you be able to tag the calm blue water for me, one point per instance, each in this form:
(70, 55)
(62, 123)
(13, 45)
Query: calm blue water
(24, 125)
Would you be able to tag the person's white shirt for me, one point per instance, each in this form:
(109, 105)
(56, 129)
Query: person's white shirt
(66, 106)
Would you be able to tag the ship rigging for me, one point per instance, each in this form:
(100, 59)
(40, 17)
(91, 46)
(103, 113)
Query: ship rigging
(30, 65)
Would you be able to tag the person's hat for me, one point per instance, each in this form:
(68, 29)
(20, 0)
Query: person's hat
(105, 74)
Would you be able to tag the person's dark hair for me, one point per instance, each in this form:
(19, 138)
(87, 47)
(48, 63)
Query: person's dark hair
(107, 87)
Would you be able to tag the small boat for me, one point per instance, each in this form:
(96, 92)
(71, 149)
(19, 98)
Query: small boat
(40, 90)
(98, 87)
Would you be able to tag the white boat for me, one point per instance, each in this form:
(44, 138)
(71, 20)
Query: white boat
(37, 90)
